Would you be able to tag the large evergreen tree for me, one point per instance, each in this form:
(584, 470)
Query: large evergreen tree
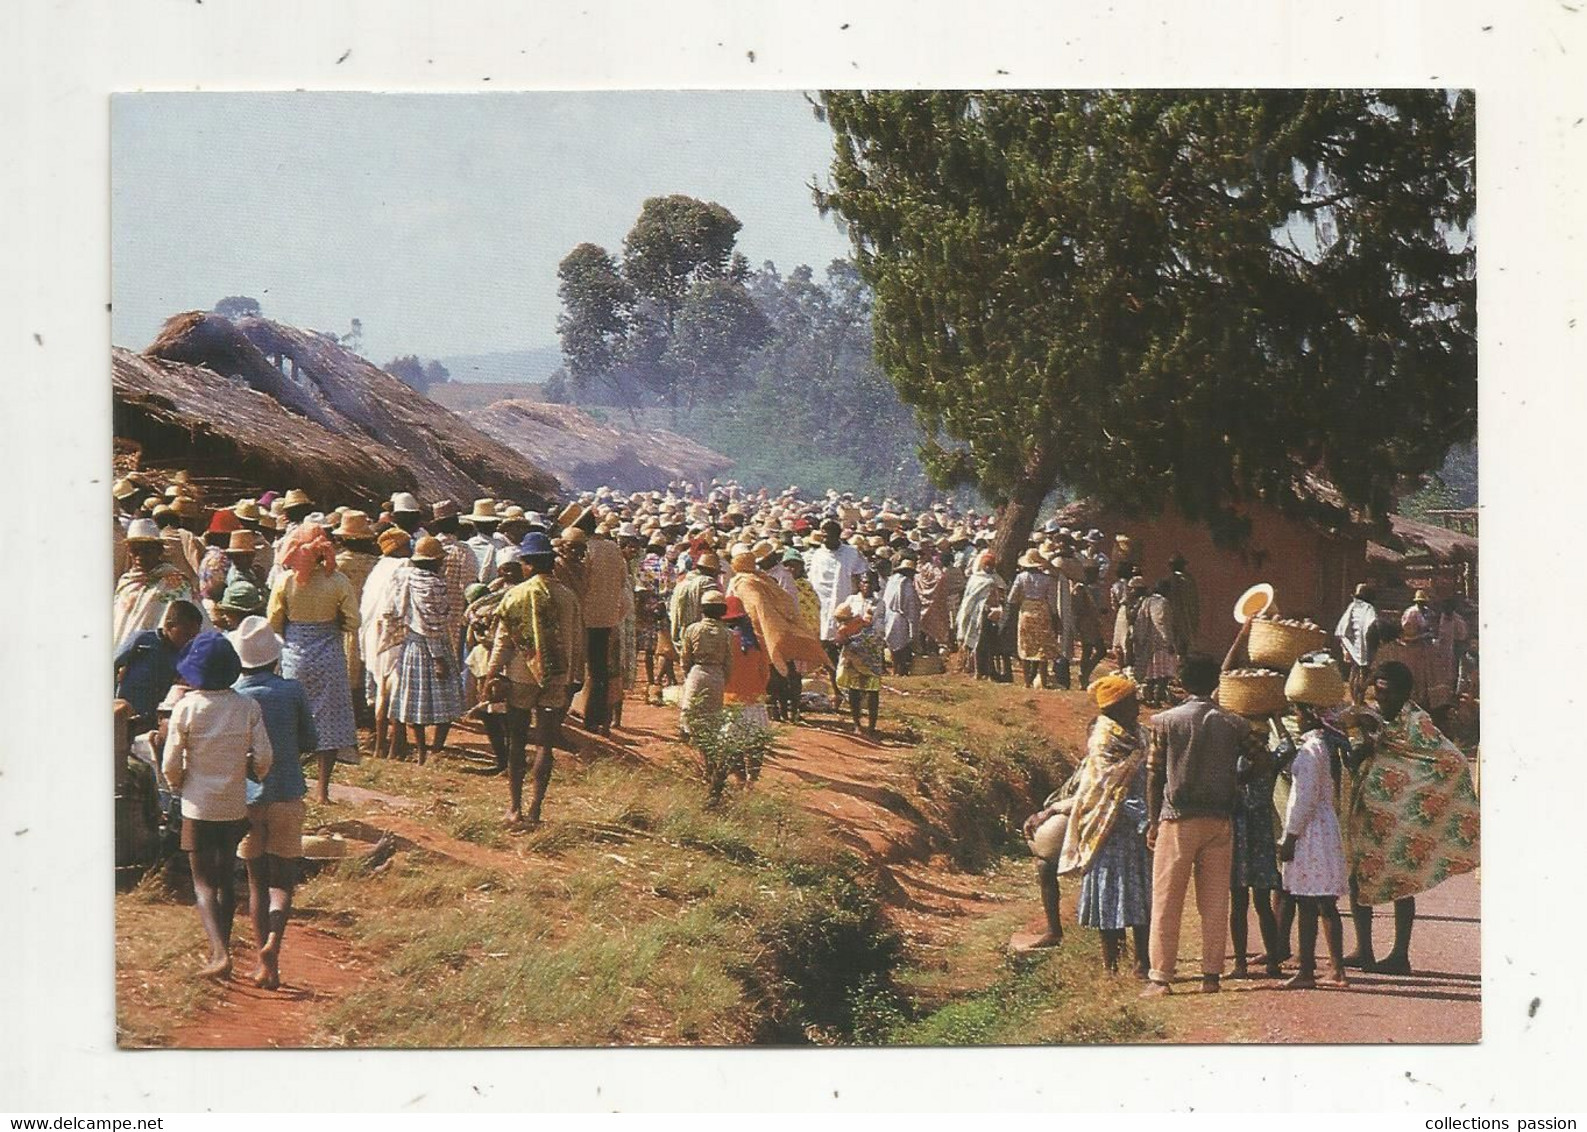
(1161, 298)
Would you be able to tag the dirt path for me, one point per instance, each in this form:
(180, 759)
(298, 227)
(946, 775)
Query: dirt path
(245, 1017)
(1442, 1003)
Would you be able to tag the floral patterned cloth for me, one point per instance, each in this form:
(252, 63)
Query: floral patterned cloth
(1413, 819)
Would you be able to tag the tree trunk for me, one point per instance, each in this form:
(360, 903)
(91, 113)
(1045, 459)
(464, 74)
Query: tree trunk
(1017, 517)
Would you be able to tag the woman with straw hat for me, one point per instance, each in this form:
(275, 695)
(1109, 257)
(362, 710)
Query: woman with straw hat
(1033, 602)
(149, 584)
(706, 655)
(420, 603)
(311, 607)
(356, 555)
(379, 641)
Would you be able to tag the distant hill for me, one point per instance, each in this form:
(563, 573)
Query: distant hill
(506, 367)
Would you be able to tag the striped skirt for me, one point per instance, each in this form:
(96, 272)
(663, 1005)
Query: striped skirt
(312, 655)
(423, 695)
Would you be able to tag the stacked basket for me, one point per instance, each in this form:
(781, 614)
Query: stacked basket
(1275, 644)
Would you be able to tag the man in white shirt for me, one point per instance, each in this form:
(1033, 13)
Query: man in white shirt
(834, 570)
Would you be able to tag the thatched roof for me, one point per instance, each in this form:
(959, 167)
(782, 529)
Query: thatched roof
(279, 407)
(1410, 540)
(585, 453)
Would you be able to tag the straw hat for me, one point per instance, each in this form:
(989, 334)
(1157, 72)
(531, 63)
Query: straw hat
(712, 597)
(1032, 559)
(907, 566)
(428, 549)
(124, 489)
(256, 643)
(627, 530)
(1315, 681)
(187, 507)
(443, 509)
(1421, 596)
(355, 525)
(709, 562)
(573, 536)
(242, 542)
(393, 540)
(297, 497)
(246, 510)
(403, 503)
(484, 511)
(143, 530)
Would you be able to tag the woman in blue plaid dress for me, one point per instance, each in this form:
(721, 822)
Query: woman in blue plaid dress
(429, 689)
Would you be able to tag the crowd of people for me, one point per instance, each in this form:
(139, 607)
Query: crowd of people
(254, 636)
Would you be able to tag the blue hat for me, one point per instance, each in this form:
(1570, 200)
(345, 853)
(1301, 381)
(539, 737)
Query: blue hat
(209, 662)
(535, 544)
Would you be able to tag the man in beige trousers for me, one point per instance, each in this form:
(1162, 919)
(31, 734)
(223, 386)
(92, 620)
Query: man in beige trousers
(1192, 768)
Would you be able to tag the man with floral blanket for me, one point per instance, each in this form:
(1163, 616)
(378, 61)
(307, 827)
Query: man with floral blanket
(1413, 818)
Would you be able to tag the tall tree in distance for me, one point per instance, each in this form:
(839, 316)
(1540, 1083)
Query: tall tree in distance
(597, 306)
(413, 371)
(676, 243)
(1160, 298)
(671, 321)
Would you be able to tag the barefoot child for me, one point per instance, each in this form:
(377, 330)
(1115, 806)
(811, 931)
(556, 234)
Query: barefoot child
(273, 847)
(217, 738)
(1313, 853)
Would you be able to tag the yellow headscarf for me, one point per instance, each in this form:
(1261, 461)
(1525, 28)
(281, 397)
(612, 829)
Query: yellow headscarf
(1109, 690)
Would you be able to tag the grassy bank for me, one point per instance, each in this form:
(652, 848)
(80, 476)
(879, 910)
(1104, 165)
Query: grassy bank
(983, 760)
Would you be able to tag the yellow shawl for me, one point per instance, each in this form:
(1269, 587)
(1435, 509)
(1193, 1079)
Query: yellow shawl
(1113, 756)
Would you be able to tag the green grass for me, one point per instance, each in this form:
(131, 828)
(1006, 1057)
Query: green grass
(650, 918)
(974, 992)
(981, 764)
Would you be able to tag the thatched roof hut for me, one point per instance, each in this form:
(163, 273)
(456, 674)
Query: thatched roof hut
(1415, 555)
(272, 406)
(586, 453)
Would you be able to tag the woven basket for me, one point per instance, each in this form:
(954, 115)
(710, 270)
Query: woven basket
(1276, 645)
(1319, 685)
(1252, 695)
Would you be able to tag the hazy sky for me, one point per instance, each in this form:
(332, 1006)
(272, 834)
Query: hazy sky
(437, 219)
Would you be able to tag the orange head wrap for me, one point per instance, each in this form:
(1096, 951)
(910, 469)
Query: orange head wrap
(1110, 690)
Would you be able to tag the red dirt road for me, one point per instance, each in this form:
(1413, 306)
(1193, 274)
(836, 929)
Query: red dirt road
(1441, 1003)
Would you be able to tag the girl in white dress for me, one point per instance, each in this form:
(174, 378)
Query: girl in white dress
(1313, 854)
